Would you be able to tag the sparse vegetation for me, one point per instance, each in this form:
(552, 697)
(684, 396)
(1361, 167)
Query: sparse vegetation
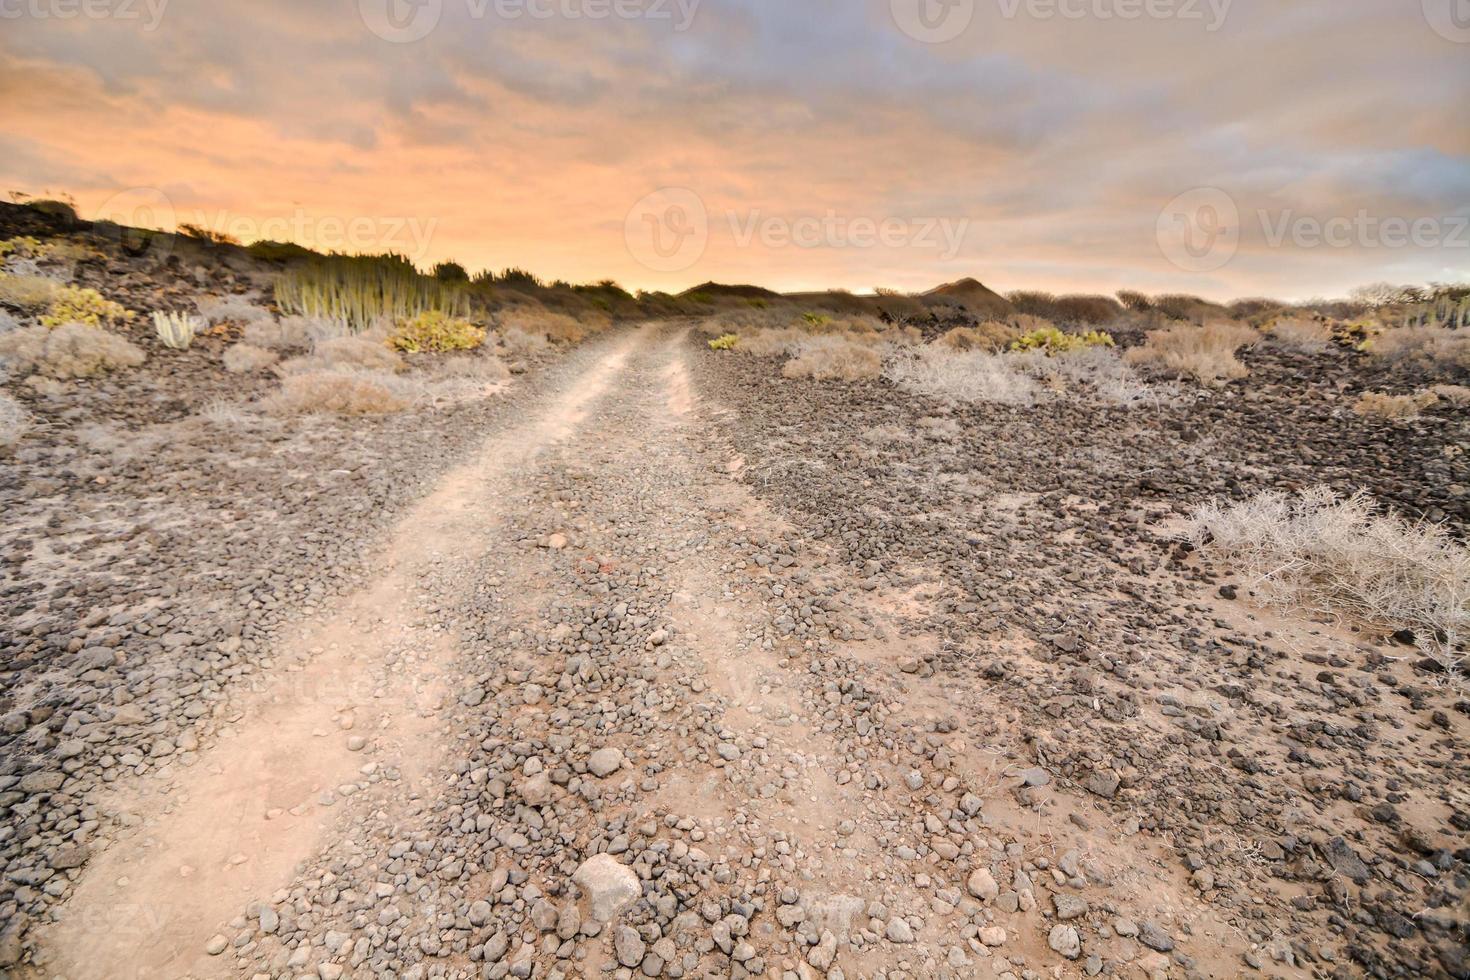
(434, 330)
(1050, 340)
(248, 359)
(1206, 353)
(338, 393)
(72, 350)
(559, 328)
(963, 376)
(825, 358)
(15, 422)
(231, 309)
(1378, 405)
(346, 354)
(1340, 556)
(75, 304)
(1436, 351)
(1300, 332)
(992, 335)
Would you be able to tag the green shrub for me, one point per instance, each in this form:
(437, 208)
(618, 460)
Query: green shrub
(434, 330)
(75, 304)
(724, 342)
(1054, 341)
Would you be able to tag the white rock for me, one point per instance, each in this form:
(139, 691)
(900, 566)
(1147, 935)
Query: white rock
(608, 885)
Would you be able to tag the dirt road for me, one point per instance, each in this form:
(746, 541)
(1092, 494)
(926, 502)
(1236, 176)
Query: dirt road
(590, 639)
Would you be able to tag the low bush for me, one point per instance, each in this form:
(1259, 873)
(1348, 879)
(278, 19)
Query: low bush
(27, 292)
(1340, 556)
(338, 393)
(833, 358)
(1096, 371)
(72, 350)
(293, 331)
(963, 376)
(1456, 395)
(15, 422)
(992, 335)
(75, 304)
(1437, 351)
(436, 331)
(1302, 333)
(248, 359)
(345, 353)
(1205, 353)
(1050, 340)
(772, 343)
(1378, 405)
(231, 309)
(724, 342)
(519, 343)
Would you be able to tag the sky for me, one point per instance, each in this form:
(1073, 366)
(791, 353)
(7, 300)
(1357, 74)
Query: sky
(1226, 148)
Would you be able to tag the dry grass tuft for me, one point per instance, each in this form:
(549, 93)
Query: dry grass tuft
(1302, 333)
(1435, 350)
(339, 393)
(1456, 395)
(15, 422)
(969, 376)
(558, 328)
(68, 351)
(292, 332)
(247, 359)
(1376, 404)
(989, 336)
(345, 353)
(27, 292)
(1205, 353)
(1338, 556)
(834, 358)
(231, 309)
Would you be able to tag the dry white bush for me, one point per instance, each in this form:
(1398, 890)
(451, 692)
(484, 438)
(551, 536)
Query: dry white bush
(247, 359)
(519, 343)
(963, 376)
(834, 358)
(771, 343)
(340, 392)
(225, 413)
(1456, 395)
(15, 422)
(293, 331)
(1339, 556)
(1096, 371)
(72, 350)
(231, 309)
(354, 353)
(1301, 333)
(1437, 350)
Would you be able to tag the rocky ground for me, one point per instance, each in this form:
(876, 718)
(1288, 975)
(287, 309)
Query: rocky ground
(658, 664)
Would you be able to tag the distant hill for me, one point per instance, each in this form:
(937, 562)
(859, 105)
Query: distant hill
(718, 290)
(972, 294)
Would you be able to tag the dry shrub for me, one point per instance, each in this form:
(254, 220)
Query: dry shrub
(486, 369)
(15, 422)
(68, 351)
(1376, 404)
(345, 353)
(27, 292)
(1339, 556)
(1206, 353)
(964, 376)
(1301, 333)
(293, 331)
(771, 343)
(339, 393)
(555, 327)
(1435, 350)
(521, 344)
(1456, 395)
(992, 335)
(247, 359)
(1098, 371)
(231, 309)
(829, 358)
